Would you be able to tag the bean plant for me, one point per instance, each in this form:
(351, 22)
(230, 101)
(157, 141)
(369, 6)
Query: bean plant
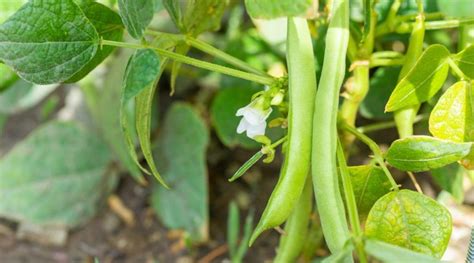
(334, 54)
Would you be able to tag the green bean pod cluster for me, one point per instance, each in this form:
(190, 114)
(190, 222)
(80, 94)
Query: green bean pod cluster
(302, 91)
(324, 170)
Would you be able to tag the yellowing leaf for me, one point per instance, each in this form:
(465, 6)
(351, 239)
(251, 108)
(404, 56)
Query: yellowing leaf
(412, 220)
(453, 118)
(423, 80)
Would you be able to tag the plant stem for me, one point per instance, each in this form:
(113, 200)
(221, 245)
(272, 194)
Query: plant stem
(457, 70)
(351, 203)
(195, 62)
(378, 155)
(405, 27)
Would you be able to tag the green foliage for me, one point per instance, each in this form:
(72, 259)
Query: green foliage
(56, 176)
(423, 81)
(389, 253)
(141, 76)
(9, 7)
(450, 178)
(465, 61)
(411, 220)
(59, 42)
(22, 96)
(237, 249)
(196, 16)
(423, 153)
(7, 77)
(456, 8)
(382, 84)
(223, 109)
(108, 26)
(268, 9)
(369, 183)
(181, 155)
(453, 116)
(136, 15)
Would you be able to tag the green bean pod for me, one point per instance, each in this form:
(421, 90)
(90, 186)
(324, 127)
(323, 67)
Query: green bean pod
(405, 118)
(296, 227)
(326, 187)
(302, 91)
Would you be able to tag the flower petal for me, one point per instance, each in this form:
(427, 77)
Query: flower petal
(242, 111)
(255, 130)
(243, 126)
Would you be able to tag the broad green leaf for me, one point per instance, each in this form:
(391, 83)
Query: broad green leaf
(450, 178)
(423, 153)
(108, 26)
(382, 84)
(389, 253)
(453, 116)
(181, 154)
(7, 77)
(196, 16)
(143, 71)
(465, 61)
(423, 81)
(48, 41)
(104, 103)
(268, 9)
(56, 176)
(223, 109)
(136, 15)
(22, 96)
(369, 183)
(411, 220)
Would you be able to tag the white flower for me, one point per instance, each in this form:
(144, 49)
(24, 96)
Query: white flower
(254, 120)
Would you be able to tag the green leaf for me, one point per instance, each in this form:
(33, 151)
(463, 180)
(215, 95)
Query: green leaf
(56, 176)
(195, 17)
(246, 166)
(109, 26)
(223, 109)
(423, 153)
(136, 15)
(423, 81)
(7, 77)
(181, 154)
(369, 183)
(389, 253)
(450, 178)
(382, 84)
(104, 103)
(465, 61)
(268, 9)
(22, 96)
(453, 116)
(48, 41)
(143, 71)
(411, 220)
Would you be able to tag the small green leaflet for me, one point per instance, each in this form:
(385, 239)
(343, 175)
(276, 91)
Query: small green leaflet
(48, 41)
(143, 71)
(181, 154)
(136, 15)
(369, 183)
(194, 17)
(453, 116)
(411, 220)
(465, 61)
(56, 176)
(389, 253)
(450, 179)
(423, 153)
(7, 77)
(423, 81)
(269, 9)
(109, 27)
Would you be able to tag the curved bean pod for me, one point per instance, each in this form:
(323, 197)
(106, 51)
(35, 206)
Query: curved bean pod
(302, 91)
